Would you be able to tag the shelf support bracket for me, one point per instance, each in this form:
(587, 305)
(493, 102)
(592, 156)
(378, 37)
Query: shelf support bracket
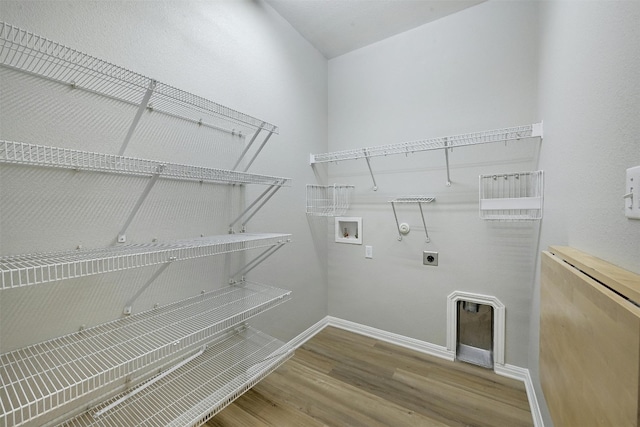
(373, 178)
(262, 200)
(244, 152)
(127, 308)
(257, 260)
(393, 206)
(136, 119)
(246, 149)
(426, 232)
(122, 237)
(446, 158)
(255, 155)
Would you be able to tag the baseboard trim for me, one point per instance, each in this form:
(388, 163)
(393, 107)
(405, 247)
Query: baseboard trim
(390, 337)
(506, 370)
(523, 374)
(308, 333)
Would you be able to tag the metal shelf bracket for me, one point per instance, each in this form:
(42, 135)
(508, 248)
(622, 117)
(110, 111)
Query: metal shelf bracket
(246, 149)
(122, 237)
(128, 306)
(258, 260)
(260, 202)
(136, 119)
(373, 178)
(446, 158)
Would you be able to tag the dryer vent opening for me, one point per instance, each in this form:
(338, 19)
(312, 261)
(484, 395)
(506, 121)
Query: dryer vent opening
(475, 333)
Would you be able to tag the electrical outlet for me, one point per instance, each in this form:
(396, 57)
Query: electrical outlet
(368, 251)
(430, 258)
(632, 196)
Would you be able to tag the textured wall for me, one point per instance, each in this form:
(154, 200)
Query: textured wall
(473, 71)
(240, 54)
(590, 99)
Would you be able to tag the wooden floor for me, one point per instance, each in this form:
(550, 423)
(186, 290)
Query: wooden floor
(343, 379)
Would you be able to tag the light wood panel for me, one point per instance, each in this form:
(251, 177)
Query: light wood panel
(620, 280)
(339, 378)
(589, 346)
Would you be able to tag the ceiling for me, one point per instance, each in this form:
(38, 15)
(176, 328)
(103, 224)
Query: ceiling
(336, 27)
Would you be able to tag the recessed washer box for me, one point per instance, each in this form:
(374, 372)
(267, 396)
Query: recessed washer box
(348, 230)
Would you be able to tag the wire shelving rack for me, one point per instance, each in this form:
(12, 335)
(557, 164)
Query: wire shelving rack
(47, 156)
(197, 391)
(439, 143)
(28, 52)
(329, 200)
(512, 196)
(33, 269)
(44, 381)
(42, 377)
(445, 143)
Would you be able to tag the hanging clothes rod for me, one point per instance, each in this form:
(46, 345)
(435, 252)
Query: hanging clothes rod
(440, 143)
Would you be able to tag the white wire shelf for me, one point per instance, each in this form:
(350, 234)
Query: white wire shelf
(512, 197)
(40, 378)
(413, 199)
(42, 155)
(328, 200)
(404, 228)
(440, 143)
(194, 393)
(31, 53)
(33, 269)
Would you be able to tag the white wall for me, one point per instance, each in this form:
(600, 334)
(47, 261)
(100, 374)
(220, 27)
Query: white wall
(238, 53)
(473, 71)
(590, 99)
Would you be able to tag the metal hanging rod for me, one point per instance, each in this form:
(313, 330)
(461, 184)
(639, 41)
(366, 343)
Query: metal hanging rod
(441, 143)
(34, 269)
(404, 228)
(53, 373)
(28, 52)
(42, 155)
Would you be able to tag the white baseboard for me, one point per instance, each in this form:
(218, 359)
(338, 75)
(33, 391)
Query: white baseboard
(510, 371)
(523, 375)
(390, 337)
(308, 333)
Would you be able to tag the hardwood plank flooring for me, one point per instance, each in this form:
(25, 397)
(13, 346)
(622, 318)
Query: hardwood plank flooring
(339, 378)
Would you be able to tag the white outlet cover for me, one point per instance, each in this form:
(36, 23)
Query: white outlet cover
(632, 195)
